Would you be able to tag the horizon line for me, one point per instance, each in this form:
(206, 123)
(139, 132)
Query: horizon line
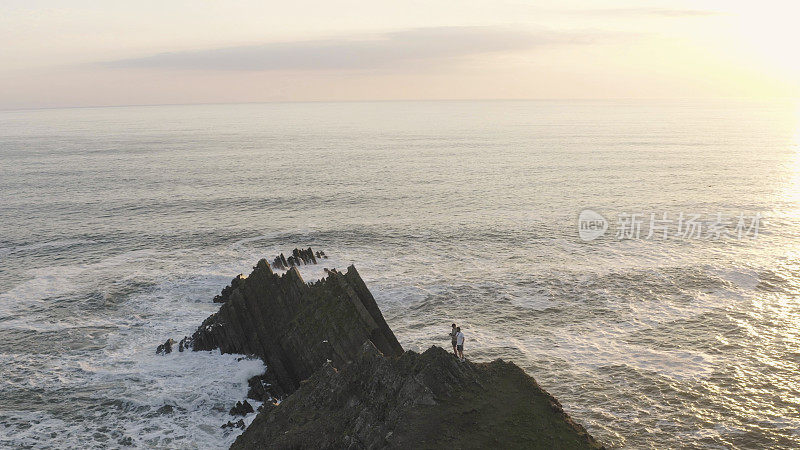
(420, 100)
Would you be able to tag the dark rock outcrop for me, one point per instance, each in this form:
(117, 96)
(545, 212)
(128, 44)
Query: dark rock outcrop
(262, 388)
(237, 424)
(241, 409)
(226, 292)
(166, 347)
(183, 344)
(297, 258)
(427, 400)
(295, 327)
(346, 382)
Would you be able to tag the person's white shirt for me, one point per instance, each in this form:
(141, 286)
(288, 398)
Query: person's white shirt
(459, 338)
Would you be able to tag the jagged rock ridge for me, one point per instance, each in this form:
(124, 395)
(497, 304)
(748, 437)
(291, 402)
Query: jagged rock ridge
(350, 383)
(298, 257)
(294, 326)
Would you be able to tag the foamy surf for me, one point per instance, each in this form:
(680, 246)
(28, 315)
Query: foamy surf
(179, 401)
(113, 390)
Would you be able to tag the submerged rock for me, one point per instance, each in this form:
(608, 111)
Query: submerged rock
(166, 409)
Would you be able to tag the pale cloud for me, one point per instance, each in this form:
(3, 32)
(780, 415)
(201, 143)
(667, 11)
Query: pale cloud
(433, 45)
(85, 52)
(651, 12)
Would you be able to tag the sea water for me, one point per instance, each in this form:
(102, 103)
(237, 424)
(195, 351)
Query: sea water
(119, 225)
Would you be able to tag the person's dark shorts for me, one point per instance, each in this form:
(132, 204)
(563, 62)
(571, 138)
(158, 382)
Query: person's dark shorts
(460, 348)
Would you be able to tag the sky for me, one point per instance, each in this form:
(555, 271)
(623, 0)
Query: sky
(96, 53)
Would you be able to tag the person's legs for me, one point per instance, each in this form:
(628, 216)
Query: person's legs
(455, 352)
(461, 352)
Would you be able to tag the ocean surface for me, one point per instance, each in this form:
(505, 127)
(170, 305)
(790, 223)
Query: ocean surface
(119, 225)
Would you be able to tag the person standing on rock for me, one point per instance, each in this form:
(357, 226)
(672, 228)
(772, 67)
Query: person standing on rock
(453, 339)
(460, 343)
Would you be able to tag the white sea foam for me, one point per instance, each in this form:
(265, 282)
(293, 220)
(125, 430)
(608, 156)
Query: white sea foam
(131, 383)
(51, 282)
(197, 387)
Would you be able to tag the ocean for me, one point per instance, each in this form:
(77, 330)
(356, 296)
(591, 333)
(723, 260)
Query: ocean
(118, 226)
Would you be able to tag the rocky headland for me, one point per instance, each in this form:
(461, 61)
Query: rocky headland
(338, 378)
